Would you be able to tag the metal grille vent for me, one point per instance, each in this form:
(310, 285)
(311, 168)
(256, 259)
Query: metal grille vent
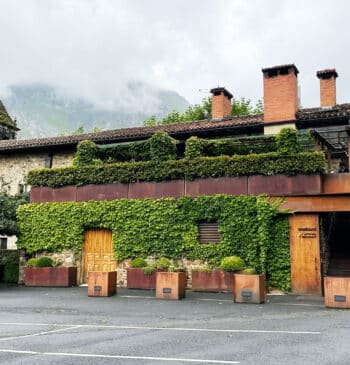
(208, 232)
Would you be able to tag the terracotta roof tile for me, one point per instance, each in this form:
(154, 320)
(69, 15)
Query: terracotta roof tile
(124, 134)
(338, 111)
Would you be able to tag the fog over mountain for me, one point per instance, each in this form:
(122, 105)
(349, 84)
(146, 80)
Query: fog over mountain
(42, 110)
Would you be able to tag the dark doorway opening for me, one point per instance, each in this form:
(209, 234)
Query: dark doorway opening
(335, 244)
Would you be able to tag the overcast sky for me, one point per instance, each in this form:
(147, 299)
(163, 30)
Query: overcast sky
(91, 48)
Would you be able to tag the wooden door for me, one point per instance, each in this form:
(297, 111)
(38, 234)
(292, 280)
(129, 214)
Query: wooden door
(305, 253)
(98, 252)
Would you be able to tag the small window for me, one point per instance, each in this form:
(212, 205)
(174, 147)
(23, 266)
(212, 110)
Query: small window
(3, 243)
(208, 232)
(20, 188)
(48, 161)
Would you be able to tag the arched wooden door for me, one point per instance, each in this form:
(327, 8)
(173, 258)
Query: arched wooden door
(98, 252)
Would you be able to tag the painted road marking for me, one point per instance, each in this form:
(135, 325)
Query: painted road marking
(146, 328)
(39, 333)
(100, 356)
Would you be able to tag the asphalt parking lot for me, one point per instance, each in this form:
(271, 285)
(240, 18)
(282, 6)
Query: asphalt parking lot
(65, 326)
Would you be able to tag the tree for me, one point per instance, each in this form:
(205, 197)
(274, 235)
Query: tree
(8, 207)
(240, 107)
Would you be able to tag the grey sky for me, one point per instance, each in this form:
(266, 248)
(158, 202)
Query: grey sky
(91, 48)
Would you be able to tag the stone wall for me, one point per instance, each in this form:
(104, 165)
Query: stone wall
(14, 167)
(71, 258)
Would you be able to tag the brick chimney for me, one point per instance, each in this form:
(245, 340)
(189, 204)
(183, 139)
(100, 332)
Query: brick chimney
(280, 93)
(221, 103)
(327, 87)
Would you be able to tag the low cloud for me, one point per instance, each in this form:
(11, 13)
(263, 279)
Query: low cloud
(94, 49)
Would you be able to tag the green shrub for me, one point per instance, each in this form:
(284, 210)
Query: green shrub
(162, 147)
(148, 270)
(33, 262)
(287, 141)
(249, 271)
(10, 273)
(44, 262)
(138, 262)
(9, 257)
(201, 167)
(86, 153)
(163, 263)
(232, 263)
(193, 148)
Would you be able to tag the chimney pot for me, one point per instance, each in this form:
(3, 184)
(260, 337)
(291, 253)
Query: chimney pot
(221, 103)
(328, 93)
(280, 93)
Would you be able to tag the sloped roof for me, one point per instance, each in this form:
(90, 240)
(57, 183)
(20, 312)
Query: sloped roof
(340, 110)
(137, 133)
(309, 115)
(5, 119)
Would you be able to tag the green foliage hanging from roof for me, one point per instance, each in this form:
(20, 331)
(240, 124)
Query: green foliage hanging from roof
(166, 227)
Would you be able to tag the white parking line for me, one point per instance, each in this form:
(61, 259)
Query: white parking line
(146, 328)
(39, 333)
(149, 358)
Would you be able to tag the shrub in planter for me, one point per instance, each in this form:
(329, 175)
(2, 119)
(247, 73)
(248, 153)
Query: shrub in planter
(44, 262)
(40, 272)
(163, 264)
(138, 262)
(140, 276)
(248, 287)
(171, 281)
(232, 263)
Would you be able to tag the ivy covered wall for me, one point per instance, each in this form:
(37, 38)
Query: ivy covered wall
(249, 226)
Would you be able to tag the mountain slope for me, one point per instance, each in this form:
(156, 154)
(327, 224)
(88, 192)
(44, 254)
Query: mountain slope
(43, 111)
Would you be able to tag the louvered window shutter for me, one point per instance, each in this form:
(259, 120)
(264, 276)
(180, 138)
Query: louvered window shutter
(208, 232)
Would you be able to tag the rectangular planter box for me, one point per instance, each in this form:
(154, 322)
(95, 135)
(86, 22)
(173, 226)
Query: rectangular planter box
(102, 283)
(212, 281)
(136, 279)
(170, 285)
(337, 292)
(248, 288)
(51, 276)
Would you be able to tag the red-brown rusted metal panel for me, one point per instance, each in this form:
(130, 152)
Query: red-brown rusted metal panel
(102, 192)
(282, 185)
(164, 189)
(44, 194)
(336, 183)
(335, 203)
(221, 185)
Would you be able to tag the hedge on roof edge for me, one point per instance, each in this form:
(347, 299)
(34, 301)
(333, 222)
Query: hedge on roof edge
(201, 167)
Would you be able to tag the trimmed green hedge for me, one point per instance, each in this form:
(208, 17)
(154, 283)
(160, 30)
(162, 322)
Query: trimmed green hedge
(201, 167)
(166, 227)
(196, 147)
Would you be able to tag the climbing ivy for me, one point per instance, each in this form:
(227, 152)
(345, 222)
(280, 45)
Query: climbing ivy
(166, 227)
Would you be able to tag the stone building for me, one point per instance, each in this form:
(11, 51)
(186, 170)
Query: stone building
(312, 197)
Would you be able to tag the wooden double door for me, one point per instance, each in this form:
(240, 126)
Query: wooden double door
(98, 252)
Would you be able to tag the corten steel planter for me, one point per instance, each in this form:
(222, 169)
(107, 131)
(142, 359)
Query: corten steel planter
(137, 279)
(102, 283)
(212, 281)
(51, 276)
(337, 292)
(170, 285)
(248, 288)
